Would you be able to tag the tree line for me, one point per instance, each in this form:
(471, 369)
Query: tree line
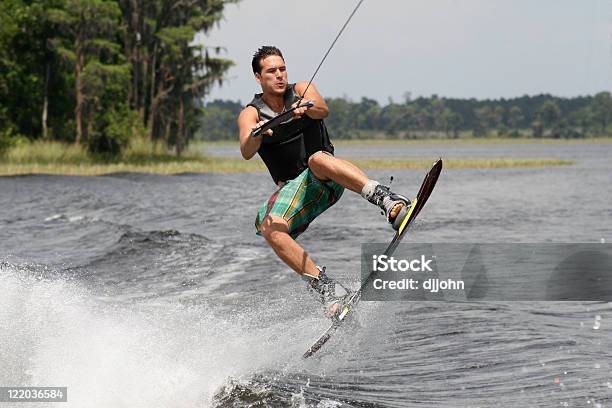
(98, 72)
(525, 116)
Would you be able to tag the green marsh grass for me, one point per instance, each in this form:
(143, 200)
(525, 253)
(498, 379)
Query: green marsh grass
(145, 157)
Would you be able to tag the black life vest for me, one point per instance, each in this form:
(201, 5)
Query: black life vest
(286, 152)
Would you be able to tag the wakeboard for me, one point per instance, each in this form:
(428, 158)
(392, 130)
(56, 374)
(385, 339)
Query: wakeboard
(417, 205)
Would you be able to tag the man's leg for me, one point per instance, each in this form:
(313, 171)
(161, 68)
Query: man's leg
(327, 167)
(276, 231)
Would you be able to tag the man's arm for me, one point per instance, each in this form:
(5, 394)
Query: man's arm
(247, 121)
(320, 109)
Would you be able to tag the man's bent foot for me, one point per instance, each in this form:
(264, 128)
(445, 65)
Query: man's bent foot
(331, 294)
(395, 206)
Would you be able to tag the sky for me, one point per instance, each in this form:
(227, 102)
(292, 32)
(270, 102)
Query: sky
(452, 48)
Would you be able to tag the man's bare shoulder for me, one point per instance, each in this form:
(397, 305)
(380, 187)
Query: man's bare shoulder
(248, 113)
(300, 87)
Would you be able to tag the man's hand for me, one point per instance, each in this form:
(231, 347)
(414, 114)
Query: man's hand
(297, 113)
(320, 109)
(260, 124)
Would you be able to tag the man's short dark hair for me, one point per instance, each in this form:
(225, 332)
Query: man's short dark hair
(262, 53)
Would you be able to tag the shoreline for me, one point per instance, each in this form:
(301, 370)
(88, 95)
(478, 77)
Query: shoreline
(230, 165)
(467, 141)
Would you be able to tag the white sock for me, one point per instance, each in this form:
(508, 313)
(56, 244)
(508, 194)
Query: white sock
(308, 277)
(369, 188)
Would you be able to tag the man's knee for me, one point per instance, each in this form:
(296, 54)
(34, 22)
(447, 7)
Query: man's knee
(319, 163)
(273, 229)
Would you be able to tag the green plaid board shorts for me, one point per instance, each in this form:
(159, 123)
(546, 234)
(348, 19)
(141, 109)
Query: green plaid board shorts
(300, 201)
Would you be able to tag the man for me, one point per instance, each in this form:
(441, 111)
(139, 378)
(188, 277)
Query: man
(299, 157)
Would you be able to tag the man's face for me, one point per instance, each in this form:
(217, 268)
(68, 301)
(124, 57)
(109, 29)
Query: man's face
(273, 76)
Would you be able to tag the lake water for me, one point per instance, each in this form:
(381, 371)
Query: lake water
(153, 291)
